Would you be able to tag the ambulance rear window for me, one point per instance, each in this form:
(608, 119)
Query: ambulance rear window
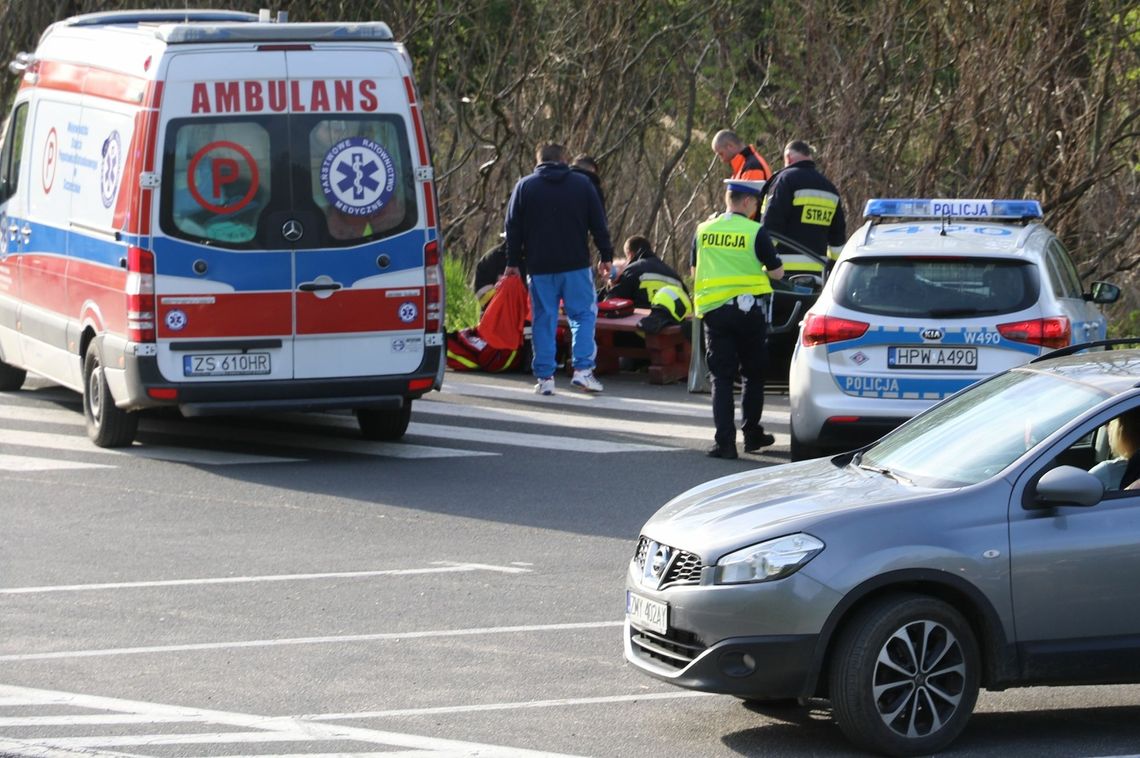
(936, 287)
(221, 176)
(360, 175)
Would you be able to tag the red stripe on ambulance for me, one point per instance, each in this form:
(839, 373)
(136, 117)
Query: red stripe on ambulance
(363, 310)
(242, 314)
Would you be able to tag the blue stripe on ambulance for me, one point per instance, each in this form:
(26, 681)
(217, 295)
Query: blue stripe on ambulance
(911, 335)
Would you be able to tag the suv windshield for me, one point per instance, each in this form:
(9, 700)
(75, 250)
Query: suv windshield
(936, 287)
(977, 433)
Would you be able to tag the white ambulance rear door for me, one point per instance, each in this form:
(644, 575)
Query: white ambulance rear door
(224, 276)
(359, 269)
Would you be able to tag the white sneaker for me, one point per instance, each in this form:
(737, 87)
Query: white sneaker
(586, 381)
(544, 386)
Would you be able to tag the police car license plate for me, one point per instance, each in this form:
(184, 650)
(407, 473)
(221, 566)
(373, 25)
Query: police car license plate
(934, 357)
(647, 614)
(226, 364)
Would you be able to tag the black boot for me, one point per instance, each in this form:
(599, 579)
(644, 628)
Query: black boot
(755, 440)
(728, 452)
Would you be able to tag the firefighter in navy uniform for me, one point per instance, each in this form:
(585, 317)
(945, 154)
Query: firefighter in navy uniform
(803, 206)
(732, 290)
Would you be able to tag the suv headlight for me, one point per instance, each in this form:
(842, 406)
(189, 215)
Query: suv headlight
(767, 561)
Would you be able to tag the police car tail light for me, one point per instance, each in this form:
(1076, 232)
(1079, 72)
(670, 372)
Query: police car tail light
(820, 329)
(140, 295)
(433, 295)
(1048, 332)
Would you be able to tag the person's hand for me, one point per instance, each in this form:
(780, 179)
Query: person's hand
(604, 269)
(511, 271)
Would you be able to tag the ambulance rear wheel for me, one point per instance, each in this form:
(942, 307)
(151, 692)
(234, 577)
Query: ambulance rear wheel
(11, 378)
(384, 424)
(107, 424)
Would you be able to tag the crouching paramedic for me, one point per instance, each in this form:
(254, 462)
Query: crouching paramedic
(732, 291)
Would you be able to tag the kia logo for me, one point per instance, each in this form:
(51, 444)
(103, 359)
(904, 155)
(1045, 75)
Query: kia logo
(292, 230)
(931, 335)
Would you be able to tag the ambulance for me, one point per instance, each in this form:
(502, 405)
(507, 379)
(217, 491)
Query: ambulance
(222, 212)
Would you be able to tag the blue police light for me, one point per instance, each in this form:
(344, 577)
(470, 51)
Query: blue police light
(952, 208)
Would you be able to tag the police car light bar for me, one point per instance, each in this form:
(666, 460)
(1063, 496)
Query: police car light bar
(952, 208)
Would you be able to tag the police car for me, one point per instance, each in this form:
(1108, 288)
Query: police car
(928, 297)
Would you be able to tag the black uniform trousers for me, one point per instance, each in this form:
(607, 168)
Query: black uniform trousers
(737, 341)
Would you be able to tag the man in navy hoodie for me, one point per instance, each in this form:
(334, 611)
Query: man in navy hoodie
(550, 215)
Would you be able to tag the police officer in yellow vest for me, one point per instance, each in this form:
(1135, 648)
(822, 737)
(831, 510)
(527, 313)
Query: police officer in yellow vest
(732, 294)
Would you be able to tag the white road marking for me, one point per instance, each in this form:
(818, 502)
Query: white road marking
(73, 443)
(610, 402)
(571, 420)
(28, 750)
(339, 639)
(536, 441)
(288, 728)
(30, 463)
(559, 703)
(440, 567)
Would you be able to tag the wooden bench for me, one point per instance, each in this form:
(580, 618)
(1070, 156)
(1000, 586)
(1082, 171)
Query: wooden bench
(667, 351)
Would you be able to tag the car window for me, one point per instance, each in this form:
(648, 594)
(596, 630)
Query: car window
(360, 175)
(924, 287)
(1069, 275)
(222, 178)
(977, 433)
(1114, 454)
(11, 151)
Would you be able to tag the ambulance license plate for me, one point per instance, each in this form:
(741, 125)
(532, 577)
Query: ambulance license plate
(226, 364)
(935, 357)
(647, 614)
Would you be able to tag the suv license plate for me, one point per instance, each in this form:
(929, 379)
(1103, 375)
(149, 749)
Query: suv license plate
(226, 364)
(923, 356)
(647, 614)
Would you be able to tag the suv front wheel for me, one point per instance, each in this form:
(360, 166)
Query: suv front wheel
(904, 676)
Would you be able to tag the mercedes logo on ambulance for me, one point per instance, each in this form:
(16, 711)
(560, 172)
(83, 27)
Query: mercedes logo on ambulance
(292, 230)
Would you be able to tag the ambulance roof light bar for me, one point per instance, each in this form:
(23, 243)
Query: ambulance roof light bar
(944, 208)
(133, 18)
(371, 31)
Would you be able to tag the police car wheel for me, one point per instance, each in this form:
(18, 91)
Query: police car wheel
(801, 451)
(384, 424)
(107, 425)
(11, 378)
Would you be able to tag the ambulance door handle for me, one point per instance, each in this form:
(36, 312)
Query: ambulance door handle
(26, 233)
(319, 286)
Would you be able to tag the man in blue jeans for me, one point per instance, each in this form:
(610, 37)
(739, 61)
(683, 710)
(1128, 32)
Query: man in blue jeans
(549, 217)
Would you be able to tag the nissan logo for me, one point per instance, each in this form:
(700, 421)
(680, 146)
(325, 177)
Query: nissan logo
(660, 561)
(292, 230)
(931, 335)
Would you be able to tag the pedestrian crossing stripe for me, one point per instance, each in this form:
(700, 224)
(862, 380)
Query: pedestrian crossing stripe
(30, 463)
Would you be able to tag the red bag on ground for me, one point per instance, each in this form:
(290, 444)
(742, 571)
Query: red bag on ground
(502, 323)
(615, 307)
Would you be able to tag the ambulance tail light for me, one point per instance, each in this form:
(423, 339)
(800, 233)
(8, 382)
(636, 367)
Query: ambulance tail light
(140, 295)
(1052, 332)
(820, 329)
(433, 294)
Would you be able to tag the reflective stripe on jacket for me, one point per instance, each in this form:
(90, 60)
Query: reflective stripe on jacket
(727, 265)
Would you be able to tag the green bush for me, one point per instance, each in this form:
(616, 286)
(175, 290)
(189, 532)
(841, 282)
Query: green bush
(462, 309)
(1127, 326)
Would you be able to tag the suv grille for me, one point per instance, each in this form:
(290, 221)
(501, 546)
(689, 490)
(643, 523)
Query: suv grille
(676, 649)
(685, 568)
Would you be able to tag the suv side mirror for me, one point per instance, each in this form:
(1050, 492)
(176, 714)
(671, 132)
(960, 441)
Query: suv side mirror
(1103, 293)
(1068, 485)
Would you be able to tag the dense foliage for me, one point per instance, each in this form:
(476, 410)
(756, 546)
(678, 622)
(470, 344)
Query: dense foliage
(1017, 98)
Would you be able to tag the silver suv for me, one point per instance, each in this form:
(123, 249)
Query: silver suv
(980, 544)
(928, 297)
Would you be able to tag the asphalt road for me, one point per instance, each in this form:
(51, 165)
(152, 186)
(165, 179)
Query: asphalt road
(276, 586)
